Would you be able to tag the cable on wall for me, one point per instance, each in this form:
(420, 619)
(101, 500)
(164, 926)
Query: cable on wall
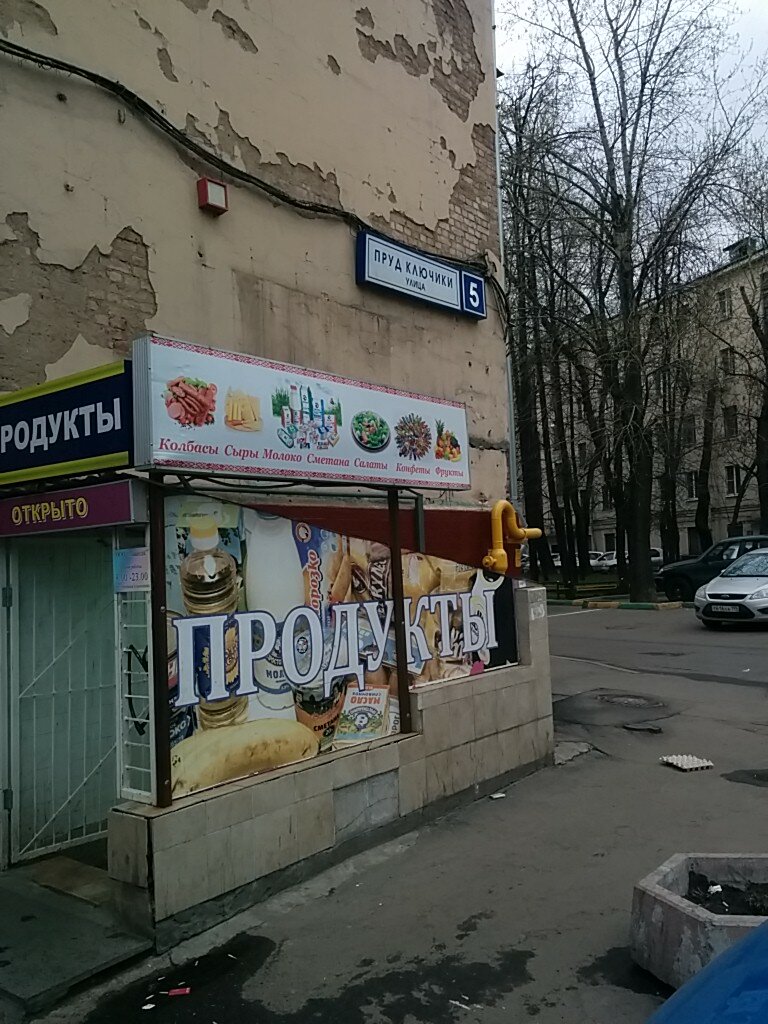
(180, 138)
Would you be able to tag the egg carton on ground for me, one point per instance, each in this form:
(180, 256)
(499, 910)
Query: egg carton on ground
(687, 762)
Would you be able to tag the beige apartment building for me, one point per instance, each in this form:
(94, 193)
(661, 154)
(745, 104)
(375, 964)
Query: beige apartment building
(721, 346)
(710, 337)
(294, 208)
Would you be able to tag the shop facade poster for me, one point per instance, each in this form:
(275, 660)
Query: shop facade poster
(227, 412)
(281, 644)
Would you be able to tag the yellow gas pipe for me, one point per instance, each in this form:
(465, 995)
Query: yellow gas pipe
(505, 526)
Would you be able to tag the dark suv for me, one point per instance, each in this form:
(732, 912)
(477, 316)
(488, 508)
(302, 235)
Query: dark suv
(681, 580)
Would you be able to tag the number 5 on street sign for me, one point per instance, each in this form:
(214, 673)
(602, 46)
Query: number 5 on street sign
(473, 294)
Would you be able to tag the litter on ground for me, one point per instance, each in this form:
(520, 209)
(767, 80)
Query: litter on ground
(686, 762)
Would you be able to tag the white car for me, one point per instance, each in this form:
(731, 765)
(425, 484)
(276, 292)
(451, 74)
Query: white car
(606, 562)
(609, 561)
(594, 557)
(738, 594)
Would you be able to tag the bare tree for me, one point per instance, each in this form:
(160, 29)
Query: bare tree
(638, 153)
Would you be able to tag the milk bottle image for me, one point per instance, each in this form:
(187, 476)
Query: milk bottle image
(274, 582)
(209, 586)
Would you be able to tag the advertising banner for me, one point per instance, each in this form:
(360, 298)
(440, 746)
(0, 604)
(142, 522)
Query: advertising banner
(67, 426)
(225, 412)
(281, 643)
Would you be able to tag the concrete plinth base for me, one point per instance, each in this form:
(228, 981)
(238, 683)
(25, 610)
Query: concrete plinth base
(672, 937)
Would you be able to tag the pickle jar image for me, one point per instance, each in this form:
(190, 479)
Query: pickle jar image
(210, 586)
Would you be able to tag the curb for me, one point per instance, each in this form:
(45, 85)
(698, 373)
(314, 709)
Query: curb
(650, 606)
(647, 606)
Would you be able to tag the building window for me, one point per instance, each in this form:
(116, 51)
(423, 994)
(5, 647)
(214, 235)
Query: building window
(731, 421)
(582, 453)
(690, 485)
(610, 541)
(605, 497)
(725, 303)
(579, 408)
(732, 480)
(727, 360)
(688, 432)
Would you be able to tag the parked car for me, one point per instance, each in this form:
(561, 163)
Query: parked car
(609, 561)
(738, 594)
(594, 557)
(606, 562)
(681, 580)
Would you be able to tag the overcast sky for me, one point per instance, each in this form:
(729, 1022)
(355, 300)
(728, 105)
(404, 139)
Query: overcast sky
(751, 28)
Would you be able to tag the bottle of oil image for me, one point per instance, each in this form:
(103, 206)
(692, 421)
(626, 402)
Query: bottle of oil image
(274, 580)
(210, 586)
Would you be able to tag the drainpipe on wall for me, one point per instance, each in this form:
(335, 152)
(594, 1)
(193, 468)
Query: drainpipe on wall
(511, 424)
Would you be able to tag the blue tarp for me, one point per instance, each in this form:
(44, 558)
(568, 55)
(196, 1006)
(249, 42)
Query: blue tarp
(733, 989)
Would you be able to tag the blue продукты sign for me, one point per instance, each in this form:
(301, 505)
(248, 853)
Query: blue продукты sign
(397, 268)
(68, 426)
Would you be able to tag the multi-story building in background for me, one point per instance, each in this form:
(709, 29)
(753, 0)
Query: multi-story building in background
(705, 378)
(725, 364)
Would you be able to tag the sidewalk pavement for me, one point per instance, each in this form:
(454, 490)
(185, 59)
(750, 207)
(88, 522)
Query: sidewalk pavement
(506, 910)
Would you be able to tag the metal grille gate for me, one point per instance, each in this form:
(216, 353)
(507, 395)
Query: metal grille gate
(63, 692)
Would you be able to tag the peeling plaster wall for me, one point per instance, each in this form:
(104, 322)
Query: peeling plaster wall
(385, 110)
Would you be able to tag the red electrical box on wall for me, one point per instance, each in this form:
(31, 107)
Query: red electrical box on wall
(212, 196)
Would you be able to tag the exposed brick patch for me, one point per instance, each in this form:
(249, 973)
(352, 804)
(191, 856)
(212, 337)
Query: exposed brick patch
(334, 65)
(300, 180)
(232, 30)
(109, 299)
(196, 5)
(472, 225)
(415, 62)
(459, 84)
(25, 14)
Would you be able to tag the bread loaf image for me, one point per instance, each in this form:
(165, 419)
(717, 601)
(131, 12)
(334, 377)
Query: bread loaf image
(210, 757)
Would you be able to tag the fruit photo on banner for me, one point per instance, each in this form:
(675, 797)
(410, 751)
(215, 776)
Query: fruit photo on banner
(246, 695)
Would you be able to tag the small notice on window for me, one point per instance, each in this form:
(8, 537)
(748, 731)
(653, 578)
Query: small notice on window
(131, 569)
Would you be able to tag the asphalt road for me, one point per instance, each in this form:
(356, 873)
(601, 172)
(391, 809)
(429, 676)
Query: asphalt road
(506, 910)
(672, 643)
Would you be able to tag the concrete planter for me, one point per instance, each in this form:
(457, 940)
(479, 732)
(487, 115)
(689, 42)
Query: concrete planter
(672, 937)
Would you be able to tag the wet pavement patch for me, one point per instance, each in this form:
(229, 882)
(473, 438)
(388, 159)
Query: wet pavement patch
(431, 993)
(749, 776)
(617, 968)
(471, 924)
(611, 707)
(215, 982)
